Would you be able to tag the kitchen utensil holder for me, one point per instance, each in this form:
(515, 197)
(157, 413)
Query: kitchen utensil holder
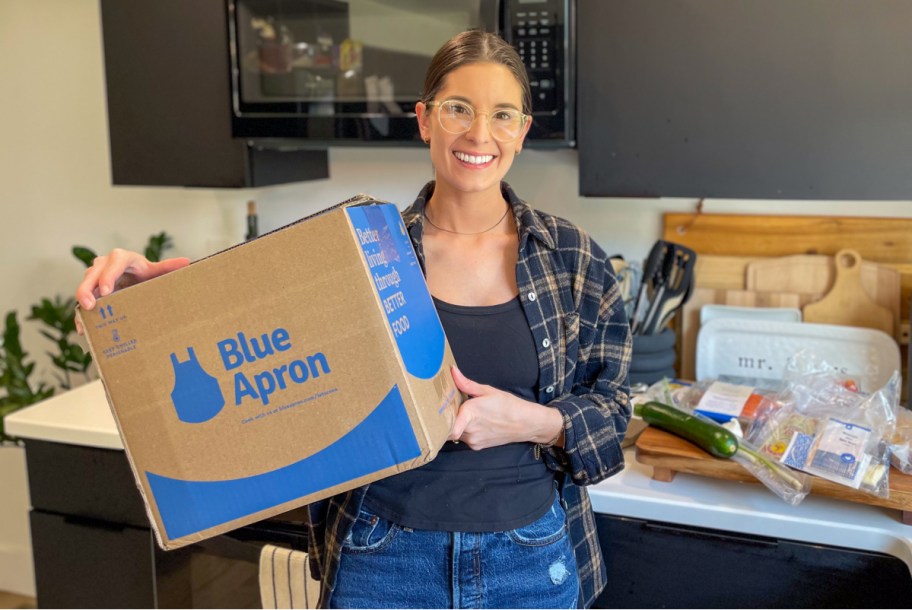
(653, 357)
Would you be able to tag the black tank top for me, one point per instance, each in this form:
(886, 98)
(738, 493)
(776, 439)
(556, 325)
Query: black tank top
(493, 489)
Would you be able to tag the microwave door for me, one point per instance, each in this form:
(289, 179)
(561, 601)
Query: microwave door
(300, 56)
(334, 72)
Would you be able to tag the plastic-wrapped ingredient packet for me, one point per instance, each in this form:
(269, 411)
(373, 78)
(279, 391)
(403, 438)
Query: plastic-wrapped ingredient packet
(813, 376)
(901, 441)
(833, 431)
(775, 432)
(722, 401)
(840, 451)
(790, 485)
(668, 391)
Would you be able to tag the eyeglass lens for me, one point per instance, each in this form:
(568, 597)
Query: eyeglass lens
(457, 117)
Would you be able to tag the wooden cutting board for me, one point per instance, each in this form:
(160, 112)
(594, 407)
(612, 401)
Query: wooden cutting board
(847, 303)
(689, 325)
(669, 454)
(731, 241)
(812, 276)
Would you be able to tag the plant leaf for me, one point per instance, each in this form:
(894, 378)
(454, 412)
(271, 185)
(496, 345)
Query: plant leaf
(157, 244)
(85, 255)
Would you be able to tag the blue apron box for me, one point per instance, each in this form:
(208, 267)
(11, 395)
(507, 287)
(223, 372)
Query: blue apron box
(279, 372)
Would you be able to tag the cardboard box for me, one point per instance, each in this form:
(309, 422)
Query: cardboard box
(276, 373)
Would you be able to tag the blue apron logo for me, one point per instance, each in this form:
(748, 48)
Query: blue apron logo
(196, 395)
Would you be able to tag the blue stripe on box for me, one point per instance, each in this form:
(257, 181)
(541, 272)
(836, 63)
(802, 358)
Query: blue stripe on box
(383, 439)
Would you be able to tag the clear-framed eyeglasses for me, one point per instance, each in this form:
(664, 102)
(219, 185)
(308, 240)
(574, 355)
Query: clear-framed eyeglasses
(457, 117)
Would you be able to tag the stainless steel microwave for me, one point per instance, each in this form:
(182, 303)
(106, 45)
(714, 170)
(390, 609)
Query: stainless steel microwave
(348, 73)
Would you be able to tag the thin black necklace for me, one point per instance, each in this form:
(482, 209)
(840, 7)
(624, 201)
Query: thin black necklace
(424, 213)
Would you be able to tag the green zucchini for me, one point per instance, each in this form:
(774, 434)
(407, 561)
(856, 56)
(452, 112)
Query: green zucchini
(707, 435)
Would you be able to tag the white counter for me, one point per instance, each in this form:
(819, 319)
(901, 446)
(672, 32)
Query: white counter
(82, 417)
(78, 417)
(751, 509)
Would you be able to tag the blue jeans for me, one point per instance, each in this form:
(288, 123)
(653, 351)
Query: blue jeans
(385, 565)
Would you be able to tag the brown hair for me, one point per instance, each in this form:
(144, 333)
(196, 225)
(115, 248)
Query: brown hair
(472, 47)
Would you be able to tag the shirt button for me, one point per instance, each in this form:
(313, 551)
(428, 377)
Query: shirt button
(550, 389)
(531, 296)
(546, 342)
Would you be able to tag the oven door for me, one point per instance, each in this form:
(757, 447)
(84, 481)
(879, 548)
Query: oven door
(339, 72)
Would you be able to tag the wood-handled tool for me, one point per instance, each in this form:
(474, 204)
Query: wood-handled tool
(847, 303)
(811, 276)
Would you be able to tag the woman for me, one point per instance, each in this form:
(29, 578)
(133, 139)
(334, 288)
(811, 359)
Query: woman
(537, 326)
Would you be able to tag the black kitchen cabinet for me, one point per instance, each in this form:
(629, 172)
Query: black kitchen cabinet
(760, 99)
(93, 547)
(661, 565)
(168, 101)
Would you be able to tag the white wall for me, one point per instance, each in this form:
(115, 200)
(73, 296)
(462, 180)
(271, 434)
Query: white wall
(16, 573)
(55, 183)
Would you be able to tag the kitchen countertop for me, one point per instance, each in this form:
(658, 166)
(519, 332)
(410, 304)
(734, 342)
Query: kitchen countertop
(78, 417)
(83, 417)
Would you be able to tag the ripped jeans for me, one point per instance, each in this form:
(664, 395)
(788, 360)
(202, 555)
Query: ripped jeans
(385, 565)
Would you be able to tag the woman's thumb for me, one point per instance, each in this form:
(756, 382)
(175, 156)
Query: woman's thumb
(466, 385)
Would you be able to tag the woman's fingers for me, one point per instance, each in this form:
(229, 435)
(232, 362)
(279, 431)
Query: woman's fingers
(107, 273)
(167, 266)
(86, 291)
(114, 266)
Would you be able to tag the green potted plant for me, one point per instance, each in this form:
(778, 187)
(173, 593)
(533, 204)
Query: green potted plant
(19, 388)
(57, 315)
(15, 370)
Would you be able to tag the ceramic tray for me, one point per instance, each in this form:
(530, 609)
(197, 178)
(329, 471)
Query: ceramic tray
(760, 349)
(713, 311)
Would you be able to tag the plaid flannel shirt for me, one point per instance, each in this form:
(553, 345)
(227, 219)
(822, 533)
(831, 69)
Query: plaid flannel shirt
(576, 312)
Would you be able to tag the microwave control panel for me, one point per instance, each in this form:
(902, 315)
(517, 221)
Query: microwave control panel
(539, 31)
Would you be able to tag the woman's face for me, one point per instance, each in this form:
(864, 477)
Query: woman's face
(473, 161)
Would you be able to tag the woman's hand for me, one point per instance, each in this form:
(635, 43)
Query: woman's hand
(492, 417)
(119, 269)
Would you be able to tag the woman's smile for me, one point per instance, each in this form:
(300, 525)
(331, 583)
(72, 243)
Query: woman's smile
(474, 160)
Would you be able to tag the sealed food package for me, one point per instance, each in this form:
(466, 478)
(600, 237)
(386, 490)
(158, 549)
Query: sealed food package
(723, 401)
(901, 441)
(668, 391)
(789, 485)
(776, 430)
(843, 452)
(826, 426)
(819, 390)
(816, 384)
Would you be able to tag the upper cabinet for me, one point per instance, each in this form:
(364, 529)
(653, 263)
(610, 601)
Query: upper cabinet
(169, 108)
(766, 99)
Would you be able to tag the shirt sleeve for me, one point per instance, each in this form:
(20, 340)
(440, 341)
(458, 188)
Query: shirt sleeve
(316, 540)
(596, 408)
